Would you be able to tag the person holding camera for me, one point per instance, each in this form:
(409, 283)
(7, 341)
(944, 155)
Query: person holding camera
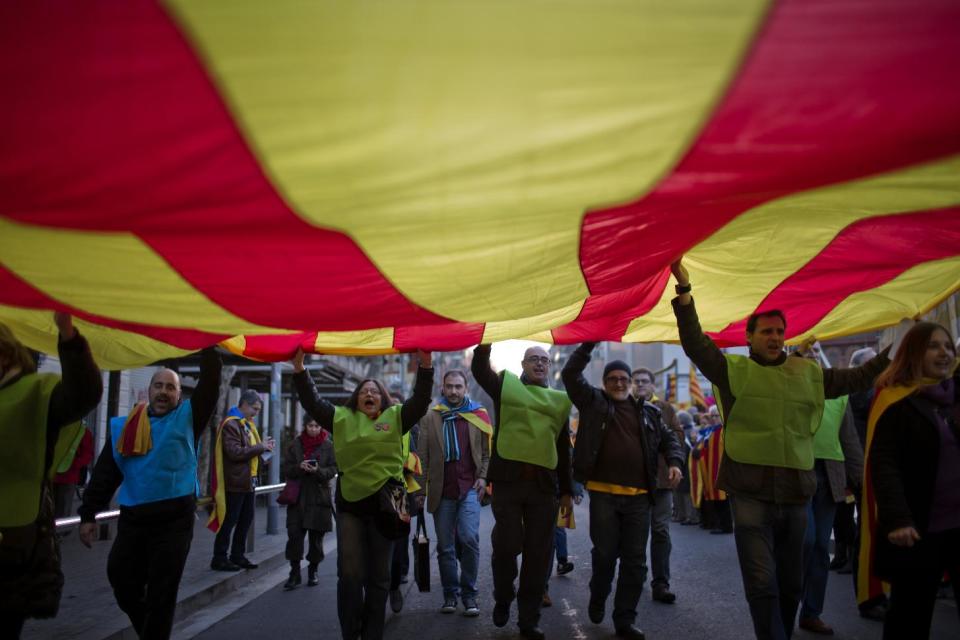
(309, 461)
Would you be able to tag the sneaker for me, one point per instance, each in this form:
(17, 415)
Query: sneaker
(532, 633)
(243, 563)
(449, 605)
(223, 565)
(396, 600)
(470, 608)
(630, 632)
(816, 625)
(563, 568)
(501, 614)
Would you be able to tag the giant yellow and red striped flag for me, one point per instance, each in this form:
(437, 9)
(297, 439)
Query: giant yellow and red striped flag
(369, 177)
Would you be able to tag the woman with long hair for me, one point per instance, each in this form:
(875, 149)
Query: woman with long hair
(914, 467)
(367, 442)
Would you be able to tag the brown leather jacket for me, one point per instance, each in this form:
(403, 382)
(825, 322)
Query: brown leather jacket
(237, 453)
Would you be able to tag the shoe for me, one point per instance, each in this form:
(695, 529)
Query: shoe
(876, 612)
(687, 523)
(816, 625)
(396, 600)
(630, 632)
(532, 633)
(312, 580)
(470, 608)
(547, 602)
(595, 611)
(501, 614)
(563, 568)
(223, 565)
(664, 595)
(449, 605)
(838, 562)
(243, 563)
(294, 580)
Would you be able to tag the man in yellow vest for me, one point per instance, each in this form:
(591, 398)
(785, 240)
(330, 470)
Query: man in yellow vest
(838, 457)
(771, 406)
(34, 409)
(529, 460)
(151, 457)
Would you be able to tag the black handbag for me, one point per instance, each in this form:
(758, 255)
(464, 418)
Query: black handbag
(421, 555)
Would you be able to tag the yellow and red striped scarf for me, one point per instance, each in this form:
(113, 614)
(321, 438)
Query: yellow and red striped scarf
(135, 437)
(217, 484)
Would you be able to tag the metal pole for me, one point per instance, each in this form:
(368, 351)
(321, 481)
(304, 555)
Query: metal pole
(273, 509)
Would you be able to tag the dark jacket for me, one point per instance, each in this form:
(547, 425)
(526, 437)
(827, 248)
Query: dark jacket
(780, 485)
(314, 508)
(904, 458)
(237, 454)
(550, 481)
(596, 411)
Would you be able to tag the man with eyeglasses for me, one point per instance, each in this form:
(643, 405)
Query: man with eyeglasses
(529, 460)
(644, 388)
(618, 441)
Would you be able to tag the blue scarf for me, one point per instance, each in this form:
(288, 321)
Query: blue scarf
(450, 441)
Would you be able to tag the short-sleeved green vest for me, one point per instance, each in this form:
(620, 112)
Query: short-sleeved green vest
(23, 427)
(777, 412)
(826, 444)
(531, 418)
(369, 452)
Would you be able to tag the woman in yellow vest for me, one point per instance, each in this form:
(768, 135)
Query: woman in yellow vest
(33, 410)
(912, 472)
(367, 443)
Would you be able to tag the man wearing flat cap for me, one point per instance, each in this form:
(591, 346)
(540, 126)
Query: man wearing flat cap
(618, 440)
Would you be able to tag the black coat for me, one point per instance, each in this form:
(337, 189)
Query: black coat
(596, 411)
(314, 509)
(904, 457)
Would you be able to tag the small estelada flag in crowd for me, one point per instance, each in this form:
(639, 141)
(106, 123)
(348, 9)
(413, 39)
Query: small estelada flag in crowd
(696, 393)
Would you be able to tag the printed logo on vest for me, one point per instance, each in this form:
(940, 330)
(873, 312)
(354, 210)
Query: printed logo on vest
(381, 426)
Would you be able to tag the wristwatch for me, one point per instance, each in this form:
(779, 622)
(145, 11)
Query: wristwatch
(684, 288)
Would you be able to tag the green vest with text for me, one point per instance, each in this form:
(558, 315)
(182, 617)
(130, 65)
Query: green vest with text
(23, 428)
(531, 418)
(777, 412)
(368, 452)
(826, 444)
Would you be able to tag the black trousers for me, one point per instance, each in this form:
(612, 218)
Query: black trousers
(238, 519)
(525, 521)
(144, 569)
(294, 550)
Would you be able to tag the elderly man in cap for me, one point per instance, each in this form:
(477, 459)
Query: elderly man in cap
(618, 441)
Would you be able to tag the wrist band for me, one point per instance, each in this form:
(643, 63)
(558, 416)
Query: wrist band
(681, 289)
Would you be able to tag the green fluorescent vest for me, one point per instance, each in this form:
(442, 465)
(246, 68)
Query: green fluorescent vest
(826, 444)
(369, 452)
(23, 426)
(66, 448)
(778, 409)
(531, 418)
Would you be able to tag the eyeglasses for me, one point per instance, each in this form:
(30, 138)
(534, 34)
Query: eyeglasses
(622, 380)
(538, 360)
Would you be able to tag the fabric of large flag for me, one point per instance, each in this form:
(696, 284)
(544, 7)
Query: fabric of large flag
(371, 177)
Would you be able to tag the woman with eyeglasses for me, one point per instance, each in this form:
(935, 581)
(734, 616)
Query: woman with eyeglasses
(367, 443)
(913, 466)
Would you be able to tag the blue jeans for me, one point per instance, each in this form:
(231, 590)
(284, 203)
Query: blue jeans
(458, 520)
(619, 526)
(816, 546)
(769, 539)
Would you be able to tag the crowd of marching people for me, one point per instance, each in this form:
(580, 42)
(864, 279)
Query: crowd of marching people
(788, 445)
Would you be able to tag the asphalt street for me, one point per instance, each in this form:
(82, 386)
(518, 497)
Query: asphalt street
(705, 577)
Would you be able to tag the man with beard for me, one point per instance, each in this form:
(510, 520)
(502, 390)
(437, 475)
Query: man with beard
(152, 458)
(771, 407)
(529, 460)
(454, 452)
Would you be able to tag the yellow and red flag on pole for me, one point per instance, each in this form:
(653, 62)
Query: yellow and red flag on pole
(696, 393)
(279, 175)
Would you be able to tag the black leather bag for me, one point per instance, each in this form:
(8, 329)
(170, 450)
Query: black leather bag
(421, 555)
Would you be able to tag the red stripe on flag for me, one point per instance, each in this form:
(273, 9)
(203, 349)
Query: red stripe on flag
(445, 337)
(119, 128)
(831, 92)
(865, 255)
